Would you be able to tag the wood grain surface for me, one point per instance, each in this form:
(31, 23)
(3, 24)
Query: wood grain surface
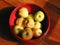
(55, 2)
(52, 38)
(18, 2)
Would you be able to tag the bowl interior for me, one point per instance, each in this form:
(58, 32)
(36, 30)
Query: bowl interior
(32, 8)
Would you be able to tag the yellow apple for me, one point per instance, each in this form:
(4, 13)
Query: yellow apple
(30, 16)
(27, 34)
(37, 25)
(39, 16)
(23, 12)
(16, 29)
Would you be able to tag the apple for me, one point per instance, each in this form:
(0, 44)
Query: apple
(29, 22)
(19, 21)
(37, 25)
(17, 29)
(23, 12)
(39, 16)
(21, 27)
(37, 32)
(30, 16)
(27, 34)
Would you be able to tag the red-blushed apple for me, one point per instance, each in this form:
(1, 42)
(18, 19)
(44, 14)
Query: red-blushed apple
(27, 34)
(37, 25)
(37, 32)
(39, 16)
(29, 22)
(19, 21)
(23, 12)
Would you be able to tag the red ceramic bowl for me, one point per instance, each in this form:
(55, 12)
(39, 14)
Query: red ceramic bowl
(31, 8)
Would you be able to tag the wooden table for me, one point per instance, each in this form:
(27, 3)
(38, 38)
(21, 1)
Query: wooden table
(52, 38)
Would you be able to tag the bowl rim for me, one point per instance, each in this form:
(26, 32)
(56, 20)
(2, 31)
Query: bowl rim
(36, 40)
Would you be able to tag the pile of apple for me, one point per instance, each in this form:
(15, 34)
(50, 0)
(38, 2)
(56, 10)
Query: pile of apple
(29, 25)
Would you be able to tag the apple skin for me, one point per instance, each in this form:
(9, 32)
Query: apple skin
(27, 34)
(30, 16)
(23, 12)
(19, 21)
(37, 32)
(39, 16)
(29, 22)
(37, 25)
(17, 28)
